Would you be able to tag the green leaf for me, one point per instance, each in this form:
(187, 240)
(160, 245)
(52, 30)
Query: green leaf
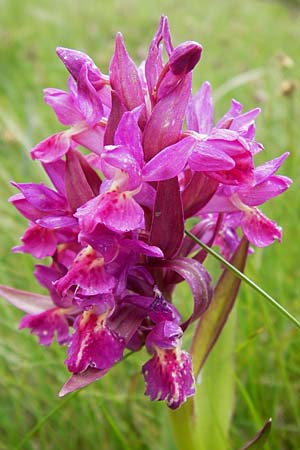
(247, 280)
(259, 440)
(213, 320)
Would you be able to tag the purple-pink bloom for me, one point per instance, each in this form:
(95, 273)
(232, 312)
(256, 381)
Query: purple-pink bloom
(94, 343)
(113, 222)
(258, 229)
(168, 374)
(46, 324)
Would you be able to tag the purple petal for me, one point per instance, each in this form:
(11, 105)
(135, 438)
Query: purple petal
(52, 148)
(56, 172)
(146, 196)
(26, 301)
(154, 62)
(123, 158)
(242, 122)
(46, 276)
(165, 123)
(80, 380)
(169, 162)
(46, 324)
(88, 100)
(169, 377)
(260, 230)
(266, 170)
(124, 76)
(91, 138)
(259, 194)
(56, 222)
(93, 344)
(104, 241)
(166, 335)
(117, 110)
(117, 211)
(74, 60)
(88, 274)
(25, 208)
(38, 241)
(42, 197)
(235, 110)
(206, 157)
(128, 134)
(200, 110)
(63, 105)
(142, 247)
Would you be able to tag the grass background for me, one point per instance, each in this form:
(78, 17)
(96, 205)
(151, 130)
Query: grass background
(252, 53)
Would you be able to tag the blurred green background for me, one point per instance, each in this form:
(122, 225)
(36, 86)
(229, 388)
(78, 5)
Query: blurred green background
(251, 53)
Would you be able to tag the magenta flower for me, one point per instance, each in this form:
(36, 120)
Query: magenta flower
(168, 374)
(112, 224)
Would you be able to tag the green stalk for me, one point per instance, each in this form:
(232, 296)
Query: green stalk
(203, 422)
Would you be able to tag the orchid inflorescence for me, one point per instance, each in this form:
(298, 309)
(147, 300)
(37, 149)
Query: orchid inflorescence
(113, 222)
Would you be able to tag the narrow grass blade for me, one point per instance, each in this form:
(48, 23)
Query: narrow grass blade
(42, 421)
(215, 317)
(247, 280)
(259, 440)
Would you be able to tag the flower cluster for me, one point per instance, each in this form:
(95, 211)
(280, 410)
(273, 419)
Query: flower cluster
(113, 221)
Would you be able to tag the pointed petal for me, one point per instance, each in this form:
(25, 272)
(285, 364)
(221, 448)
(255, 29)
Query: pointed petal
(80, 380)
(259, 194)
(169, 162)
(154, 62)
(42, 197)
(242, 122)
(235, 109)
(200, 110)
(266, 170)
(124, 76)
(128, 134)
(117, 110)
(89, 102)
(26, 301)
(165, 123)
(142, 247)
(56, 172)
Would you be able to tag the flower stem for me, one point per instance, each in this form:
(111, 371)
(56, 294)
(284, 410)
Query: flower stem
(203, 421)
